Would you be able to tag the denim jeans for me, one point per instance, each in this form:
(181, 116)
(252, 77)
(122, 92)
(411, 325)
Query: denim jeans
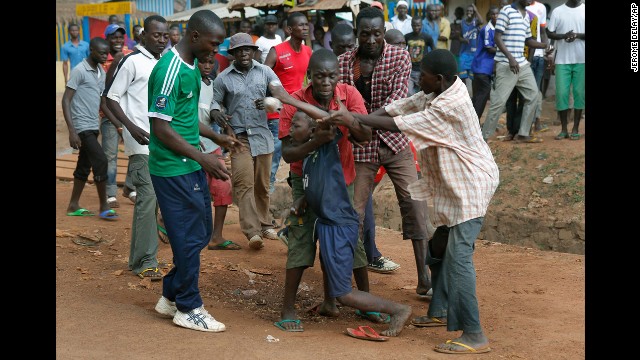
(537, 66)
(277, 152)
(414, 82)
(110, 148)
(454, 279)
(369, 232)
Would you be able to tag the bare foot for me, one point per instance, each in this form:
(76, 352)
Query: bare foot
(398, 319)
(325, 309)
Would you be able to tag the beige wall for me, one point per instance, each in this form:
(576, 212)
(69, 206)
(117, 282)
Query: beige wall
(59, 77)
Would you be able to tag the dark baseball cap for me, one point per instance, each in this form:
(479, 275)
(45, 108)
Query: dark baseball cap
(270, 19)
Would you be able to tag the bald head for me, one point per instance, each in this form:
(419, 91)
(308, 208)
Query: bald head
(395, 37)
(204, 21)
(322, 58)
(343, 39)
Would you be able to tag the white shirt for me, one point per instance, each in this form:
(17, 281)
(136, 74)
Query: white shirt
(563, 19)
(265, 45)
(129, 89)
(404, 26)
(541, 12)
(204, 115)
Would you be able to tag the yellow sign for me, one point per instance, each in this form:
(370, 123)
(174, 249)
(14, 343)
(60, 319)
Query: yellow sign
(104, 9)
(291, 3)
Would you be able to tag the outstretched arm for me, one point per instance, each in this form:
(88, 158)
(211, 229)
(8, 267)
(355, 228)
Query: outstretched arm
(379, 119)
(278, 92)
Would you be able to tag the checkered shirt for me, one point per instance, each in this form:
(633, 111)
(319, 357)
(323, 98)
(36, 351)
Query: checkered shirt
(389, 82)
(462, 174)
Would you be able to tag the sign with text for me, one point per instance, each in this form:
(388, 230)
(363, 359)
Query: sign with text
(105, 9)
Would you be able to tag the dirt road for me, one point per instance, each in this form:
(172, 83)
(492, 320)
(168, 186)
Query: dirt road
(531, 302)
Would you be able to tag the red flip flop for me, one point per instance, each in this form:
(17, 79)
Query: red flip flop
(365, 333)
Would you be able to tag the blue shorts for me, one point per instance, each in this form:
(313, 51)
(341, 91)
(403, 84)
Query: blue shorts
(337, 248)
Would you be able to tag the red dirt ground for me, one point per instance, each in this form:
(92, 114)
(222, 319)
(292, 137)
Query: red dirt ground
(532, 302)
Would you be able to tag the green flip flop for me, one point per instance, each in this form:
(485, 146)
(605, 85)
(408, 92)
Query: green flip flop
(372, 315)
(227, 245)
(81, 212)
(279, 325)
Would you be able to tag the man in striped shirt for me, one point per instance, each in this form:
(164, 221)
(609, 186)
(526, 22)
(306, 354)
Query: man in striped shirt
(460, 180)
(513, 70)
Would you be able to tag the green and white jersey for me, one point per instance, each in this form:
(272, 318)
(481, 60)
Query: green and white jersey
(174, 90)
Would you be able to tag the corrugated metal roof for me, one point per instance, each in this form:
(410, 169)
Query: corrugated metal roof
(322, 5)
(219, 9)
(239, 4)
(327, 5)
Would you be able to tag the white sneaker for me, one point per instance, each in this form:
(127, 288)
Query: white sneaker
(132, 196)
(166, 307)
(113, 202)
(383, 265)
(270, 234)
(256, 242)
(198, 319)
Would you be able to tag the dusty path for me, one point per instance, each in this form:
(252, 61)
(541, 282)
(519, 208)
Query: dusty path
(532, 303)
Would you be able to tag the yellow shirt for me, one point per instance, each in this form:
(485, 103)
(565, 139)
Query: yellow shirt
(445, 30)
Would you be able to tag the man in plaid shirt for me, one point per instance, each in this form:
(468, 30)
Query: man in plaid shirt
(381, 73)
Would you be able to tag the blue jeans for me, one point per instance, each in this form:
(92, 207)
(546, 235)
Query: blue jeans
(454, 279)
(537, 66)
(414, 82)
(277, 152)
(369, 232)
(110, 148)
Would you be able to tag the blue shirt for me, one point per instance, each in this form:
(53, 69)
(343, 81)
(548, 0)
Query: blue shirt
(483, 61)
(223, 48)
(469, 31)
(324, 187)
(75, 54)
(433, 31)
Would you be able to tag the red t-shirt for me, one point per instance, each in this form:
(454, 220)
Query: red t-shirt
(351, 98)
(223, 62)
(291, 66)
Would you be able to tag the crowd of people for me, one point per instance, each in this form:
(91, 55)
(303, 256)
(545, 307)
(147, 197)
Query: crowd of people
(365, 98)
